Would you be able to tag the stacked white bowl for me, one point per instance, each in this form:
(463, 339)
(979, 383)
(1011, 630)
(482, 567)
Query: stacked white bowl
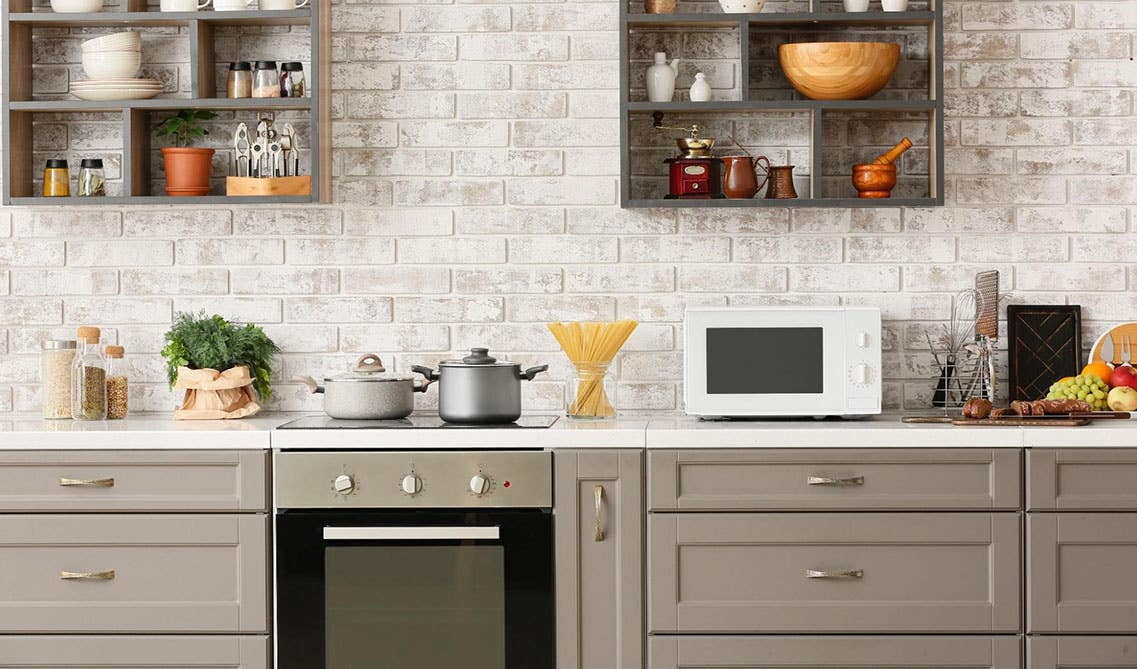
(112, 63)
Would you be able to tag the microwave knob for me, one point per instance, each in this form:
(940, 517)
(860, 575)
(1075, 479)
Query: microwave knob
(343, 484)
(479, 484)
(861, 374)
(412, 484)
(862, 340)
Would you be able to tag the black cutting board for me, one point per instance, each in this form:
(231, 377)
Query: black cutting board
(1045, 345)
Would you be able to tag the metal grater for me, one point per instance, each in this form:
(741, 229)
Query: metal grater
(987, 318)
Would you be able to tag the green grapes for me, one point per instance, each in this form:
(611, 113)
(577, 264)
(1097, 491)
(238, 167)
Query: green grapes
(1089, 388)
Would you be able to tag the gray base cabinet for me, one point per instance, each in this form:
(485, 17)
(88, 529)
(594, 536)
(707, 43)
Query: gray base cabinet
(149, 652)
(599, 558)
(837, 652)
(1072, 652)
(1096, 479)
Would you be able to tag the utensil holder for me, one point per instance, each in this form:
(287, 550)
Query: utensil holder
(591, 391)
(251, 186)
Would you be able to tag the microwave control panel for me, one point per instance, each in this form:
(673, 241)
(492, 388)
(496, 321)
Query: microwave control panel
(862, 359)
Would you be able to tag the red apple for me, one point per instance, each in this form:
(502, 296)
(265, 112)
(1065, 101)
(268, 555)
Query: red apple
(1123, 375)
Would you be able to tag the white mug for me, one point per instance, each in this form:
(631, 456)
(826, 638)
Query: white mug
(182, 5)
(850, 5)
(277, 5)
(894, 5)
(230, 5)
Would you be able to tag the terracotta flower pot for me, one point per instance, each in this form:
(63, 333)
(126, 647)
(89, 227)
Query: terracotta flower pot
(187, 170)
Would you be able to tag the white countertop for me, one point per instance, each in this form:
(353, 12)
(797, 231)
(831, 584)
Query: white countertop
(160, 431)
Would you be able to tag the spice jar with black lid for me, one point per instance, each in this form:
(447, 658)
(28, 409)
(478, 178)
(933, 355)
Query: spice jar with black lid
(89, 378)
(266, 82)
(292, 80)
(240, 80)
(92, 179)
(56, 179)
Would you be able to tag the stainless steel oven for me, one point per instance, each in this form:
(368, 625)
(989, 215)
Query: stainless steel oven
(414, 559)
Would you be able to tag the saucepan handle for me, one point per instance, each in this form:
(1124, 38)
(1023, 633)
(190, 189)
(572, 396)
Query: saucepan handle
(310, 382)
(429, 373)
(528, 374)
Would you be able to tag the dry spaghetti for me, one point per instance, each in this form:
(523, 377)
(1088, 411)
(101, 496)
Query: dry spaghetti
(591, 347)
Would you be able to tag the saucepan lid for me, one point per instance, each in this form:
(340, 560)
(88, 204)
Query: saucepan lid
(369, 368)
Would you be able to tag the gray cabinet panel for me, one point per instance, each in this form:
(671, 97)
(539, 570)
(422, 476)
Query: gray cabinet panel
(599, 580)
(183, 481)
(837, 479)
(1082, 480)
(750, 573)
(171, 573)
(136, 652)
(1087, 652)
(669, 652)
(1081, 570)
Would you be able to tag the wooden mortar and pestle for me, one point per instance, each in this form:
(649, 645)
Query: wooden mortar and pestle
(877, 179)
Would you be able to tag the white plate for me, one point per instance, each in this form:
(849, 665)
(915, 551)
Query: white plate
(117, 83)
(115, 94)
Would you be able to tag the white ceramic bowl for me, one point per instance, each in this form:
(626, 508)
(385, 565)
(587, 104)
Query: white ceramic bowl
(742, 6)
(112, 64)
(74, 6)
(126, 41)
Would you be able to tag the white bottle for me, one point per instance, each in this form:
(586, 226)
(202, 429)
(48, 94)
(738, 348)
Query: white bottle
(661, 78)
(700, 90)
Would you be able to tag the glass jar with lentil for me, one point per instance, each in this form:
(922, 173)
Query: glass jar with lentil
(117, 399)
(89, 378)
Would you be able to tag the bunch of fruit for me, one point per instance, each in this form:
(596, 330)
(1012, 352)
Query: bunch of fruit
(1103, 386)
(1081, 387)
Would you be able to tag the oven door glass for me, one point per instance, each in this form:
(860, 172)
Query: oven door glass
(359, 590)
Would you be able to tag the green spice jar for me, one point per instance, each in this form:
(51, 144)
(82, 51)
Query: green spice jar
(89, 378)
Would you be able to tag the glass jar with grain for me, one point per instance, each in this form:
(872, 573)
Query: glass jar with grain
(89, 378)
(55, 358)
(266, 81)
(117, 398)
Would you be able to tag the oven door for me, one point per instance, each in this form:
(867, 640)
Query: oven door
(426, 588)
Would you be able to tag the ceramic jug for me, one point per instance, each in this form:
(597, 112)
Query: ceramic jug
(781, 186)
(661, 78)
(741, 178)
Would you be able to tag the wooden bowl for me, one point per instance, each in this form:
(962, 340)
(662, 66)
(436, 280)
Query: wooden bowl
(839, 70)
(874, 181)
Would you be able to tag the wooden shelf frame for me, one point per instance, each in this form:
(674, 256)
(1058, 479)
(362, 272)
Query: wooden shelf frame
(815, 19)
(18, 106)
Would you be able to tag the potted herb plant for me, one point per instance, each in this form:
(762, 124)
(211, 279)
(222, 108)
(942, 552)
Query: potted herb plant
(218, 364)
(187, 167)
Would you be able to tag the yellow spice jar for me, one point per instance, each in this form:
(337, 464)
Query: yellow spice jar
(56, 179)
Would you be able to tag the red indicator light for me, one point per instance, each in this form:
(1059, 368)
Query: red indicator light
(506, 484)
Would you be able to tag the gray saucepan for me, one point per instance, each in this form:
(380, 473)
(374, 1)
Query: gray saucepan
(367, 393)
(479, 389)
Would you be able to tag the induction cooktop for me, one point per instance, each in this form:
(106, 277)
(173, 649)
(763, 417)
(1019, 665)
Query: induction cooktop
(410, 422)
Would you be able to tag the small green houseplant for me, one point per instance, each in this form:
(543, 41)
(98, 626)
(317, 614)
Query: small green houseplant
(211, 342)
(187, 167)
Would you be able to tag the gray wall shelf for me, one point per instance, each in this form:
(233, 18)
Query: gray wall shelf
(930, 107)
(20, 104)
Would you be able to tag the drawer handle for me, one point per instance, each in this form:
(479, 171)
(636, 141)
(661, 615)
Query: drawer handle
(599, 494)
(86, 483)
(107, 575)
(827, 480)
(851, 573)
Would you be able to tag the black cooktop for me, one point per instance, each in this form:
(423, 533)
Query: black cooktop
(411, 422)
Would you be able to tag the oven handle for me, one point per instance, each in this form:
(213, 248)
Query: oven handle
(410, 533)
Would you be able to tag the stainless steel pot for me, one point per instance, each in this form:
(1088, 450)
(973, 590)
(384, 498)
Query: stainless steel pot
(367, 393)
(478, 389)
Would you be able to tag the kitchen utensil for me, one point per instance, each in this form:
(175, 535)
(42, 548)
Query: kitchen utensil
(256, 155)
(1021, 421)
(780, 185)
(367, 393)
(1109, 347)
(479, 389)
(1126, 350)
(288, 146)
(874, 181)
(889, 157)
(839, 70)
(76, 6)
(1045, 344)
(987, 318)
(241, 155)
(275, 160)
(697, 178)
(102, 65)
(741, 177)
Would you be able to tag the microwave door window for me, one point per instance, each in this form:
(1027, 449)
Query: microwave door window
(415, 606)
(765, 361)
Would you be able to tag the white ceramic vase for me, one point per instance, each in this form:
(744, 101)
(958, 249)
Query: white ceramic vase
(661, 78)
(700, 90)
(856, 5)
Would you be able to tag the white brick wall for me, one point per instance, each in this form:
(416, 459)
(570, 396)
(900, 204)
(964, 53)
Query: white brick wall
(476, 182)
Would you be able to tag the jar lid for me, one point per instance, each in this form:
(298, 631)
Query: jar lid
(58, 344)
(56, 164)
(88, 334)
(241, 66)
(92, 163)
(115, 351)
(266, 64)
(292, 66)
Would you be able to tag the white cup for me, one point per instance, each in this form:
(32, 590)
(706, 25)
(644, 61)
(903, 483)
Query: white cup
(182, 5)
(277, 5)
(894, 5)
(850, 5)
(231, 5)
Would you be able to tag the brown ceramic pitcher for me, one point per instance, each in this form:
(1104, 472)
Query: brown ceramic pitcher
(741, 178)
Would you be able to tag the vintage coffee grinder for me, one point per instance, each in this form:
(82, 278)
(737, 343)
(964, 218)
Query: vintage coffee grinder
(695, 173)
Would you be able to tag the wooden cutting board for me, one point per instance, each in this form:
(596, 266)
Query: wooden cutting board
(1057, 421)
(1052, 419)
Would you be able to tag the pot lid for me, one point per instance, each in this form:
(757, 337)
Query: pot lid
(369, 368)
(479, 357)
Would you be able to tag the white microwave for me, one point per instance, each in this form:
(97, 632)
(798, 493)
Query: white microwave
(782, 361)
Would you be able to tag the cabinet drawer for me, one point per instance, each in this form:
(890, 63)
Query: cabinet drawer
(150, 652)
(1082, 480)
(144, 573)
(1081, 572)
(1088, 652)
(184, 481)
(840, 479)
(840, 573)
(835, 652)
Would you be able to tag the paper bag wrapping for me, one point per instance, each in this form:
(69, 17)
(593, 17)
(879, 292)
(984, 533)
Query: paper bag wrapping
(211, 394)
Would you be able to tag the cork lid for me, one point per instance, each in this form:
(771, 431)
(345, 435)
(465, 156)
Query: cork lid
(88, 334)
(115, 351)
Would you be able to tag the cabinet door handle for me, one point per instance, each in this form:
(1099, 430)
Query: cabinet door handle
(599, 494)
(107, 575)
(818, 573)
(829, 480)
(86, 483)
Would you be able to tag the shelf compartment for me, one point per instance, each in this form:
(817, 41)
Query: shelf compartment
(158, 104)
(759, 201)
(853, 138)
(156, 199)
(151, 19)
(36, 137)
(836, 19)
(781, 105)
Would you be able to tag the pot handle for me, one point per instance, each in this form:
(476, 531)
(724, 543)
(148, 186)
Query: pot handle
(528, 374)
(310, 382)
(429, 373)
(369, 362)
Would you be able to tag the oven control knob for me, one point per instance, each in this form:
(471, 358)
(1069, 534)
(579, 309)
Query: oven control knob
(344, 484)
(480, 484)
(411, 484)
